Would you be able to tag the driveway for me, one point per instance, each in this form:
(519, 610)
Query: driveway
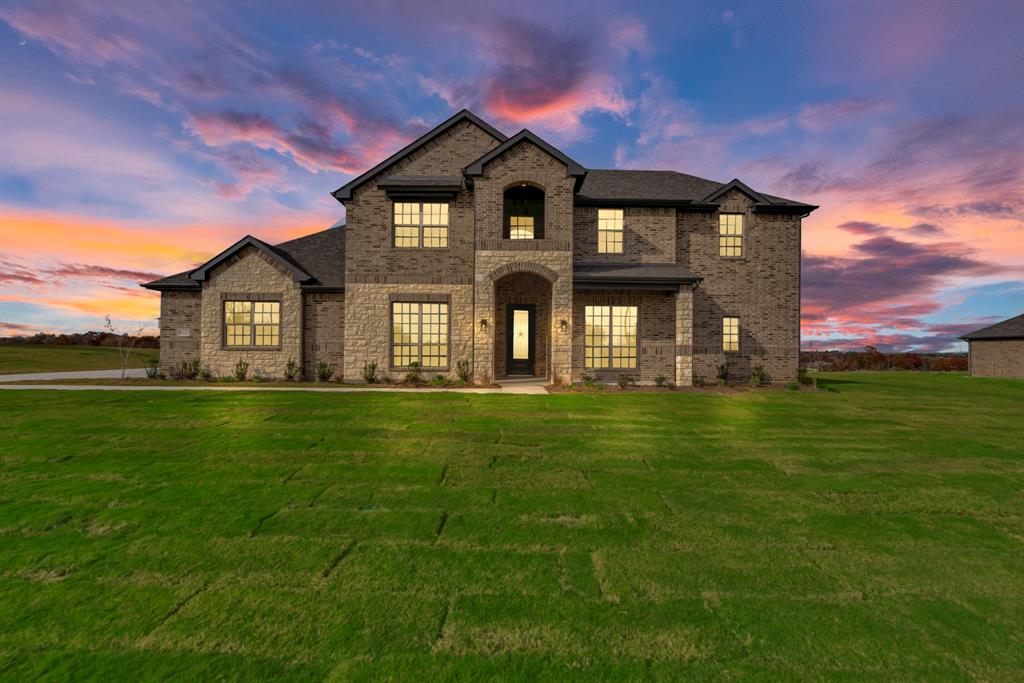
(78, 374)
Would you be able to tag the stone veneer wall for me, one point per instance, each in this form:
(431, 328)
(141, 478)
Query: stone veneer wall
(522, 288)
(368, 326)
(649, 236)
(656, 333)
(323, 332)
(250, 275)
(179, 328)
(997, 358)
(762, 288)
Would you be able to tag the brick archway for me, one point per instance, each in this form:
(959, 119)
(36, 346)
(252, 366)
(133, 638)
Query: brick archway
(523, 267)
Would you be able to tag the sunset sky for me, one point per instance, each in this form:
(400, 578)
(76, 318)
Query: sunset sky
(139, 139)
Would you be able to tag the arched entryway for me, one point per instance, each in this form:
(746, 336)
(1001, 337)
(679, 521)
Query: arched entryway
(522, 325)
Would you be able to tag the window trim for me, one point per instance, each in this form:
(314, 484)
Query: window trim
(739, 335)
(610, 346)
(251, 299)
(621, 230)
(420, 226)
(418, 299)
(538, 217)
(742, 235)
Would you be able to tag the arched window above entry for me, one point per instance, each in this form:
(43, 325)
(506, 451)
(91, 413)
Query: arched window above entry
(524, 213)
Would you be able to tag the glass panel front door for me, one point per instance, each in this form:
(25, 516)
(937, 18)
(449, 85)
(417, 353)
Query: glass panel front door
(520, 342)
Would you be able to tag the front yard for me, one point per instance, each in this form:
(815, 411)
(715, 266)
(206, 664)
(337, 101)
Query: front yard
(875, 532)
(22, 358)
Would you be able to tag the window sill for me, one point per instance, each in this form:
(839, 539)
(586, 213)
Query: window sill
(250, 348)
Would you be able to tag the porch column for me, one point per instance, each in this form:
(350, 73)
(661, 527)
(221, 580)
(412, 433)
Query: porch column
(483, 329)
(684, 336)
(561, 340)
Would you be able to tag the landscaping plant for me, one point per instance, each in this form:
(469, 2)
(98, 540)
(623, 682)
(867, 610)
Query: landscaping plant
(291, 370)
(324, 372)
(370, 372)
(241, 370)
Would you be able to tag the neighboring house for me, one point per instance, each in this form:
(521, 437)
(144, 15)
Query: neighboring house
(468, 245)
(997, 350)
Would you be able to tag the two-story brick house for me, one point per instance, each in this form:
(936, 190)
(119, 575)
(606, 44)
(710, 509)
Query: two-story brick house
(468, 245)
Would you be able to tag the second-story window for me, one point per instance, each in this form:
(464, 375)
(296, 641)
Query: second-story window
(524, 213)
(730, 234)
(421, 224)
(609, 231)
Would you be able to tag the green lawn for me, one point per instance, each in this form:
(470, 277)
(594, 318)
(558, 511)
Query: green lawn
(875, 532)
(36, 358)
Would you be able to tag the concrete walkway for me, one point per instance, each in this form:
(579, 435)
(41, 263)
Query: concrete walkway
(255, 387)
(78, 374)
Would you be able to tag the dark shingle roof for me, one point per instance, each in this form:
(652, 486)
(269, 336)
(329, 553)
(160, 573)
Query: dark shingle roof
(631, 274)
(415, 181)
(1012, 328)
(321, 255)
(658, 187)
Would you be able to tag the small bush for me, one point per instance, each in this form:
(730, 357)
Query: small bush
(793, 386)
(625, 381)
(370, 373)
(259, 376)
(723, 374)
(152, 368)
(206, 373)
(291, 370)
(324, 372)
(660, 380)
(414, 375)
(241, 370)
(757, 376)
(189, 369)
(463, 370)
(227, 378)
(438, 381)
(803, 375)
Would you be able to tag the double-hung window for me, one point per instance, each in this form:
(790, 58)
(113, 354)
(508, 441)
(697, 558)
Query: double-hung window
(419, 333)
(609, 336)
(252, 323)
(730, 334)
(421, 224)
(609, 231)
(730, 234)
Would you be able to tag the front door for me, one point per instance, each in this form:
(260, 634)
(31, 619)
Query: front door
(520, 343)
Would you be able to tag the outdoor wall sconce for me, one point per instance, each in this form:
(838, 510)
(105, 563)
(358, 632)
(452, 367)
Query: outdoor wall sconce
(563, 325)
(483, 324)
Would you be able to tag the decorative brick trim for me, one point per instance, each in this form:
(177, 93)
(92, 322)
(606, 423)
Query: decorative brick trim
(523, 267)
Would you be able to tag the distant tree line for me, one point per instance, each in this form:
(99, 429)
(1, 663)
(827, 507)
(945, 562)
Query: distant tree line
(91, 338)
(873, 359)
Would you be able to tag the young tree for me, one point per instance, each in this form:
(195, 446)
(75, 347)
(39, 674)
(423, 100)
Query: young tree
(125, 343)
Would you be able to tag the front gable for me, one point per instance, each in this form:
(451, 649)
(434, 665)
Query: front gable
(526, 143)
(248, 245)
(731, 189)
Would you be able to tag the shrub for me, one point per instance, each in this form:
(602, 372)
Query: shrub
(241, 370)
(723, 374)
(757, 376)
(462, 369)
(324, 372)
(793, 386)
(625, 381)
(803, 375)
(414, 374)
(189, 369)
(152, 368)
(370, 372)
(660, 380)
(291, 370)
(206, 373)
(438, 381)
(227, 378)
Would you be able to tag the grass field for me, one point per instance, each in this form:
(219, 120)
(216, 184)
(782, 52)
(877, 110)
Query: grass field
(875, 532)
(16, 359)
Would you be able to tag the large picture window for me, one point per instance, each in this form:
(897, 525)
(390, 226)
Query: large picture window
(609, 231)
(252, 323)
(730, 334)
(730, 234)
(419, 332)
(421, 224)
(610, 337)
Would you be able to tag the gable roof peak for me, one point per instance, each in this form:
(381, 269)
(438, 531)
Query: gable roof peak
(736, 184)
(573, 168)
(202, 273)
(345, 191)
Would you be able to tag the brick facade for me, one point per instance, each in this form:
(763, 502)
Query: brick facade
(997, 358)
(180, 329)
(479, 273)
